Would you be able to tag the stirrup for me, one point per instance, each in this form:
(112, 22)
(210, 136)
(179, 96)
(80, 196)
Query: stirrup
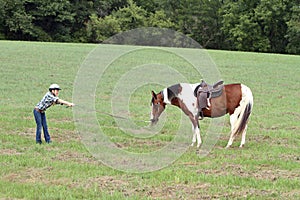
(201, 116)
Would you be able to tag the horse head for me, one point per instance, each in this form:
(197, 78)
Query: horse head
(158, 106)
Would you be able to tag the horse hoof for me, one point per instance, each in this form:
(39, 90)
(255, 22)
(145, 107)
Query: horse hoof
(241, 146)
(227, 147)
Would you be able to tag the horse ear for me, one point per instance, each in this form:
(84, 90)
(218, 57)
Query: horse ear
(154, 95)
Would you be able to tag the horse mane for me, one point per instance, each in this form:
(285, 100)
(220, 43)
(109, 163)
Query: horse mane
(196, 90)
(173, 91)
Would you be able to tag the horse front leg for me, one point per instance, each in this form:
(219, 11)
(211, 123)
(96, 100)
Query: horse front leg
(196, 130)
(199, 141)
(194, 136)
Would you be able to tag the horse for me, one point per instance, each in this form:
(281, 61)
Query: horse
(236, 100)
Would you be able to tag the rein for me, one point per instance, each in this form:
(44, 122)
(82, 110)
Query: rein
(120, 117)
(114, 116)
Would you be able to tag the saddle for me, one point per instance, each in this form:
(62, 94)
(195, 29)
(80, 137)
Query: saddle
(205, 92)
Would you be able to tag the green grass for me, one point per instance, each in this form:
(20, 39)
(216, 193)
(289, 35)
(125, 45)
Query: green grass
(267, 168)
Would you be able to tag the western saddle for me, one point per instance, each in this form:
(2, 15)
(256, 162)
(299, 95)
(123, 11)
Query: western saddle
(205, 92)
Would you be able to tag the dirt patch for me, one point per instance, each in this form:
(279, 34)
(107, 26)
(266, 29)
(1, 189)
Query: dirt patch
(28, 133)
(125, 186)
(294, 114)
(10, 152)
(239, 193)
(62, 136)
(62, 120)
(141, 144)
(36, 175)
(76, 157)
(294, 194)
(29, 175)
(182, 190)
(179, 191)
(260, 173)
(272, 141)
(56, 134)
(289, 157)
(108, 182)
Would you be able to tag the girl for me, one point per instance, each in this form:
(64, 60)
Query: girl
(48, 100)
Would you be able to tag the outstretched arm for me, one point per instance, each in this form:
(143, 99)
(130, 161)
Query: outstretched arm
(60, 101)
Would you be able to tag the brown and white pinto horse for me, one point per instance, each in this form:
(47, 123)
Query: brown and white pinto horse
(236, 99)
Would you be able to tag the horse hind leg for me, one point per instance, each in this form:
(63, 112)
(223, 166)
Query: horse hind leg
(243, 137)
(233, 119)
(232, 137)
(230, 141)
(248, 102)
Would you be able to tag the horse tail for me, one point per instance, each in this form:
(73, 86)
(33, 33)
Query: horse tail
(244, 110)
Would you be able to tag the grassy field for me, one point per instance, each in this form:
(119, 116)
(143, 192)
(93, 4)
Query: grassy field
(268, 167)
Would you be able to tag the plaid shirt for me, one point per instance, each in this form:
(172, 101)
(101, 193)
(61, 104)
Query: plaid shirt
(48, 100)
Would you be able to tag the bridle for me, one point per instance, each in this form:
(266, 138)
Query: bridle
(156, 106)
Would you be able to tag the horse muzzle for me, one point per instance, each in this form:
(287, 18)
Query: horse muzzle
(153, 121)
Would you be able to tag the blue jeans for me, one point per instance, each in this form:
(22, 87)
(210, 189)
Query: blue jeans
(40, 119)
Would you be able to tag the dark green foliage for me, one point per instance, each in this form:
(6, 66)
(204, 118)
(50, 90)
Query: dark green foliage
(247, 25)
(124, 19)
(293, 31)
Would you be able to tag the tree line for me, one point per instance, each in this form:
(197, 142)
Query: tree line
(245, 25)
